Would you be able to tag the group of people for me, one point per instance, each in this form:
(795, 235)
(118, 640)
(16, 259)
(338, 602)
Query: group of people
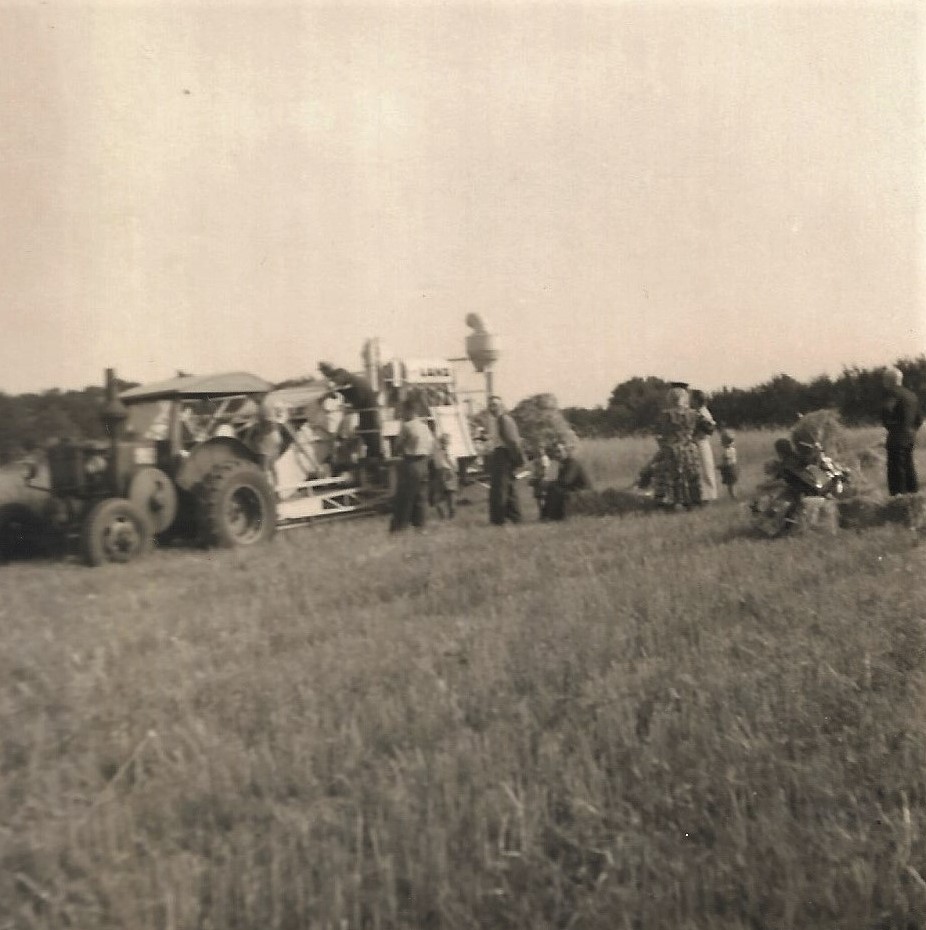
(682, 472)
(427, 474)
(556, 474)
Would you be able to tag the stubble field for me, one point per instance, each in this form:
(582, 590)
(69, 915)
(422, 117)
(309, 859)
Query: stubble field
(644, 721)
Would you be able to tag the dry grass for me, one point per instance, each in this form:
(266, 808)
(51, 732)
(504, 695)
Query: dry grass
(656, 721)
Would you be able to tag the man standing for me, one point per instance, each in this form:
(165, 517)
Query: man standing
(505, 457)
(901, 417)
(415, 444)
(359, 393)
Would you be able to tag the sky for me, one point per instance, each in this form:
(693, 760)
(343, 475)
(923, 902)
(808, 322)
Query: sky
(714, 192)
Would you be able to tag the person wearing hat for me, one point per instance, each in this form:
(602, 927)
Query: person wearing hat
(359, 394)
(901, 417)
(678, 475)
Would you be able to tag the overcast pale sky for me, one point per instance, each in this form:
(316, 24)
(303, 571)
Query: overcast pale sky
(715, 192)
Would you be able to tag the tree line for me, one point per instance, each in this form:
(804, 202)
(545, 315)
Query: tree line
(856, 394)
(29, 421)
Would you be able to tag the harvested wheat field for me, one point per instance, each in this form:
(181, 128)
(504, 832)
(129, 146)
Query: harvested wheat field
(628, 720)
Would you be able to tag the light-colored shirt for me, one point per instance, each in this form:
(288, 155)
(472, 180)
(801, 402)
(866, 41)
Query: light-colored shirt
(415, 438)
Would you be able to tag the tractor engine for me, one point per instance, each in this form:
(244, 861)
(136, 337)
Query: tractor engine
(79, 469)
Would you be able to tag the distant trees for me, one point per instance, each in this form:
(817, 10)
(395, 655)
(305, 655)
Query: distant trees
(28, 421)
(856, 394)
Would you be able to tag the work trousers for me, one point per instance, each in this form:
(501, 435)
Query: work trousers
(901, 472)
(504, 503)
(410, 504)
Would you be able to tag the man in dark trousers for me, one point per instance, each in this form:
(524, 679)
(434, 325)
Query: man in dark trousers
(505, 457)
(901, 417)
(572, 477)
(416, 445)
(359, 393)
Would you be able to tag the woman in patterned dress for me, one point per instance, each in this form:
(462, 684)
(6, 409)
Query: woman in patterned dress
(678, 470)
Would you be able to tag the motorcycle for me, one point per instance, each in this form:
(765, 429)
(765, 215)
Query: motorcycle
(795, 476)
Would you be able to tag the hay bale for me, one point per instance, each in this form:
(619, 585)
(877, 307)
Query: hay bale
(816, 515)
(908, 510)
(873, 459)
(823, 427)
(607, 502)
(861, 512)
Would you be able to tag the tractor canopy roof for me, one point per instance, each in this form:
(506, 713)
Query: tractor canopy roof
(234, 382)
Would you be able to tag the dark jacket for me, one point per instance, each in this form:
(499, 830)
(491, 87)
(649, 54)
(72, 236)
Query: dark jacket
(572, 476)
(355, 389)
(510, 439)
(901, 415)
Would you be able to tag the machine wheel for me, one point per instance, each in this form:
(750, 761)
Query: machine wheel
(20, 532)
(154, 494)
(773, 513)
(236, 506)
(115, 531)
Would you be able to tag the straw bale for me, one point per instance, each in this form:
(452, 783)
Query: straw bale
(816, 515)
(607, 502)
(907, 509)
(824, 427)
(861, 511)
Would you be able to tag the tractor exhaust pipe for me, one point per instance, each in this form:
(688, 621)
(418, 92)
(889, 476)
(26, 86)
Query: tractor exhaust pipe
(113, 416)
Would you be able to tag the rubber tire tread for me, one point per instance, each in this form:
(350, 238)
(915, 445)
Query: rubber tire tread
(211, 495)
(91, 543)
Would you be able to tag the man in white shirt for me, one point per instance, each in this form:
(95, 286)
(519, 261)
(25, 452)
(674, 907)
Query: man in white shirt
(416, 444)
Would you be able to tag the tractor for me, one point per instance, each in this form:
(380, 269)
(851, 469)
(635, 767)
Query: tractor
(167, 470)
(227, 459)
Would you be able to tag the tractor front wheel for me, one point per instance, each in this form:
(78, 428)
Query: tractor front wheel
(115, 530)
(236, 506)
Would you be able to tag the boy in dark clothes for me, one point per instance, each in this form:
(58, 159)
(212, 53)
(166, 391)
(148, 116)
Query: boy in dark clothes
(572, 477)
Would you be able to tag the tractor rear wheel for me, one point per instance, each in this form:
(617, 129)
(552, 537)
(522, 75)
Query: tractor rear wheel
(236, 506)
(115, 530)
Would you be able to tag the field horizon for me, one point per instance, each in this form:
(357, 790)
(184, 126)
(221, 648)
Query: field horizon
(641, 721)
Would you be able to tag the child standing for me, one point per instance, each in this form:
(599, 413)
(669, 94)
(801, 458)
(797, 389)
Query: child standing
(729, 472)
(444, 479)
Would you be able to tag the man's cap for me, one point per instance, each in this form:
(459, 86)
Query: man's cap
(679, 384)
